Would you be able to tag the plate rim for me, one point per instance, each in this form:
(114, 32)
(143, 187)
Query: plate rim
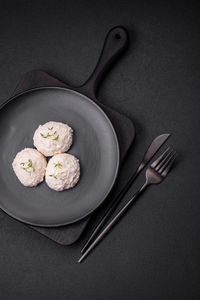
(117, 150)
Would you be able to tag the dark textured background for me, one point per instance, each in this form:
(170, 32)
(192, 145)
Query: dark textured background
(154, 252)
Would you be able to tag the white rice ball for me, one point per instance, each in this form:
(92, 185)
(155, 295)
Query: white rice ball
(53, 138)
(29, 166)
(63, 172)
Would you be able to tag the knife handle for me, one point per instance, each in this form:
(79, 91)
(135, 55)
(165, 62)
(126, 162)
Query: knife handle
(110, 210)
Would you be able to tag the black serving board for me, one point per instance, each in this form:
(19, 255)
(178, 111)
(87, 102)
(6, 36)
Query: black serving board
(124, 127)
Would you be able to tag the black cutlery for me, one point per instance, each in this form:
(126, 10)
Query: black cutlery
(155, 174)
(151, 151)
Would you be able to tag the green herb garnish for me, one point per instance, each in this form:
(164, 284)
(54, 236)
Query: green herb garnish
(29, 165)
(53, 175)
(60, 174)
(59, 165)
(56, 138)
(49, 135)
(45, 136)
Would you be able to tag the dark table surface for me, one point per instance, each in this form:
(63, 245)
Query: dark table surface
(154, 252)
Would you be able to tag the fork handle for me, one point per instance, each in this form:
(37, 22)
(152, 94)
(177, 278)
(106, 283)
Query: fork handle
(122, 211)
(111, 224)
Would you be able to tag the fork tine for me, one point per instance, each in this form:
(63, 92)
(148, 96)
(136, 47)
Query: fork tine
(167, 166)
(162, 162)
(157, 161)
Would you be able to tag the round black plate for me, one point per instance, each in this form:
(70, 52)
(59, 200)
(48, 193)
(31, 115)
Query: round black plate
(95, 144)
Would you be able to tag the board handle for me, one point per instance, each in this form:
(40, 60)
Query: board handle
(115, 43)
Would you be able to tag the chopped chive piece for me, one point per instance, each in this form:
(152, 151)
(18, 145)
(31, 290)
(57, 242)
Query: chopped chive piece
(58, 165)
(45, 136)
(30, 163)
(54, 176)
(56, 138)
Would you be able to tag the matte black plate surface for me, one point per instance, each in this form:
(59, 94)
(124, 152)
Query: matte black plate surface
(95, 144)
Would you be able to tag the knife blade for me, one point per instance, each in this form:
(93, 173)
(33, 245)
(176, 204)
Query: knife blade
(151, 151)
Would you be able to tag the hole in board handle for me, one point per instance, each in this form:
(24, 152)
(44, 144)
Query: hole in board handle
(117, 36)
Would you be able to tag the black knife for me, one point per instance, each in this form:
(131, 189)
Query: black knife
(151, 151)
